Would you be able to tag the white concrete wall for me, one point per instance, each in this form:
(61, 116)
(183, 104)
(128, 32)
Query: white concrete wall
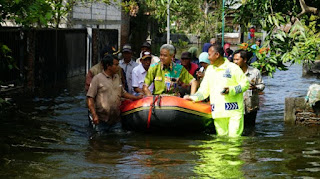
(94, 14)
(97, 11)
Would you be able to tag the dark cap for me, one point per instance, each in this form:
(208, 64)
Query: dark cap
(126, 48)
(145, 55)
(146, 44)
(108, 50)
(186, 55)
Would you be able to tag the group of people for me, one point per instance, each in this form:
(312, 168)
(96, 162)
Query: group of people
(232, 87)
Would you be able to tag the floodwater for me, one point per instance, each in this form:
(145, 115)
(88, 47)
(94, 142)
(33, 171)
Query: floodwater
(47, 136)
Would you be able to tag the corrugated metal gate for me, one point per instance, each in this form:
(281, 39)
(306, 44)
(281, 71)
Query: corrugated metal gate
(59, 54)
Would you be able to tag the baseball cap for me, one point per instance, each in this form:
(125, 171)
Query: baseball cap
(204, 57)
(146, 44)
(145, 55)
(126, 48)
(108, 50)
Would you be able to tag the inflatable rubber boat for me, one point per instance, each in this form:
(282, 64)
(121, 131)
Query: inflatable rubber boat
(166, 114)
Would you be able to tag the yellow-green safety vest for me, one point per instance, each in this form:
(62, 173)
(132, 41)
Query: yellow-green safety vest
(215, 80)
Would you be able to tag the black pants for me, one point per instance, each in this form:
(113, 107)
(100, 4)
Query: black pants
(250, 119)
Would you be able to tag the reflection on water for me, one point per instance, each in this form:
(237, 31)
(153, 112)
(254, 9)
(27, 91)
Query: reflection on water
(220, 158)
(47, 136)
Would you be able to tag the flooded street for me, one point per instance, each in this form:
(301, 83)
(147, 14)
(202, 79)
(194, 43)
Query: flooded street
(47, 136)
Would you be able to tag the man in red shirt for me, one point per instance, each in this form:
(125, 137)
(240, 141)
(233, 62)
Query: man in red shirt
(191, 67)
(186, 63)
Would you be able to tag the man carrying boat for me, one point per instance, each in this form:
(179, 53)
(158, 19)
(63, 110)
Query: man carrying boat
(166, 74)
(104, 96)
(225, 83)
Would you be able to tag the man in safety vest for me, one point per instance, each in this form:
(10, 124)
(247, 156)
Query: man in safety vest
(225, 82)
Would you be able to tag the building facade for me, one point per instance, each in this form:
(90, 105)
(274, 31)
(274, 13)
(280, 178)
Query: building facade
(96, 16)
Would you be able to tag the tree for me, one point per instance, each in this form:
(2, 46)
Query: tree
(32, 13)
(293, 31)
(39, 13)
(60, 9)
(201, 17)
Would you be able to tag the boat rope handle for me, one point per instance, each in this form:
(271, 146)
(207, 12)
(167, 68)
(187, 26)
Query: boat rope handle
(155, 98)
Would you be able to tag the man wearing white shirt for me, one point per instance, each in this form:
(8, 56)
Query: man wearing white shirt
(251, 96)
(139, 73)
(128, 64)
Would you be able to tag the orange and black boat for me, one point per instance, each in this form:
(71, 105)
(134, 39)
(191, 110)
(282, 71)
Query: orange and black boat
(166, 113)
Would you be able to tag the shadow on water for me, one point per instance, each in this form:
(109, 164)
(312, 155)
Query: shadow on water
(47, 136)
(38, 127)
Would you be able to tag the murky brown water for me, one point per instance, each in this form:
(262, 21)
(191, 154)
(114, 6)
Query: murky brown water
(47, 136)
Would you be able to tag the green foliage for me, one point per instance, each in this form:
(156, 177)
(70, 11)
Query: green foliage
(26, 13)
(207, 27)
(60, 9)
(181, 44)
(39, 13)
(300, 44)
(245, 15)
(130, 7)
(268, 63)
(200, 17)
(203, 17)
(3, 102)
(6, 60)
(291, 43)
(290, 39)
(158, 10)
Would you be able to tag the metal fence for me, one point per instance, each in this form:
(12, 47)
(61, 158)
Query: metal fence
(59, 54)
(56, 54)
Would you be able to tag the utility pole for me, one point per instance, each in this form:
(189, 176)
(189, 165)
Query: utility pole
(222, 37)
(168, 22)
